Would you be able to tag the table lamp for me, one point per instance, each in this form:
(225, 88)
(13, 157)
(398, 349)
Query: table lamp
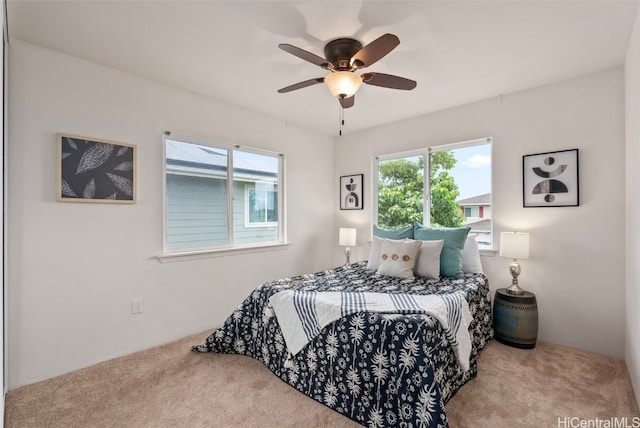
(514, 245)
(347, 239)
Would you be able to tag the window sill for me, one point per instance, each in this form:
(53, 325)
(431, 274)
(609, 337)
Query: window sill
(219, 252)
(488, 252)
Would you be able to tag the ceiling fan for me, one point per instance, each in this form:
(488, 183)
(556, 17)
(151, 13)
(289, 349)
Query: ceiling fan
(343, 57)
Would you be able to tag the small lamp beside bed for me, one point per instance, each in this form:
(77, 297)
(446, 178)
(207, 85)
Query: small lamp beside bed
(347, 239)
(514, 245)
(515, 311)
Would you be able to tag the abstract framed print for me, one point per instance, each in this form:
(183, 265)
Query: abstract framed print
(551, 179)
(351, 192)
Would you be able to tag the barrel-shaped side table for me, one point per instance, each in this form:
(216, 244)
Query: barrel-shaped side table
(515, 318)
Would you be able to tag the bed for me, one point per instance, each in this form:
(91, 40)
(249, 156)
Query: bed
(379, 369)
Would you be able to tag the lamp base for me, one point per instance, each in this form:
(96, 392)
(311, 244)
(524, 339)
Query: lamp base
(347, 253)
(514, 269)
(514, 289)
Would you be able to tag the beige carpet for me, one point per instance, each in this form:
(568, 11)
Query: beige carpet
(170, 386)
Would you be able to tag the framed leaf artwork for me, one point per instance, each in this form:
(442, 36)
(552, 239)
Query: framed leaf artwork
(95, 170)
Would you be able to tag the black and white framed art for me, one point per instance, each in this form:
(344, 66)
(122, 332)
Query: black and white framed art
(95, 170)
(351, 192)
(551, 179)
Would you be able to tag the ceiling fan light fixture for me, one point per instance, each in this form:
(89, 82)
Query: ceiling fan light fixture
(343, 83)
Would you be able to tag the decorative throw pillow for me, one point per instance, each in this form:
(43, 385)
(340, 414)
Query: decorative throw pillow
(471, 262)
(399, 258)
(399, 233)
(428, 261)
(454, 240)
(374, 254)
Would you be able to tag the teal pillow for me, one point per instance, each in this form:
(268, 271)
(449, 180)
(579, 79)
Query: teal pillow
(454, 239)
(400, 233)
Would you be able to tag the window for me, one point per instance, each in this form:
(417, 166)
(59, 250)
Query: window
(219, 196)
(471, 212)
(453, 180)
(262, 205)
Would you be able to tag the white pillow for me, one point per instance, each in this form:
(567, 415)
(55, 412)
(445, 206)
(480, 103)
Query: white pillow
(428, 261)
(471, 262)
(399, 258)
(374, 254)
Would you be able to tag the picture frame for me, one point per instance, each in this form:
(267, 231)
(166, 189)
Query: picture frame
(551, 179)
(95, 170)
(352, 192)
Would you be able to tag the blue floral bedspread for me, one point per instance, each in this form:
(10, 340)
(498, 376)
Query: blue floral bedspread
(380, 370)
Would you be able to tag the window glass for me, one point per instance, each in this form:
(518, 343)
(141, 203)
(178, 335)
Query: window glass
(471, 212)
(471, 174)
(196, 196)
(210, 205)
(400, 191)
(457, 188)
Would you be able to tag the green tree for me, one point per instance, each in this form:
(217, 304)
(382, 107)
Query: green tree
(445, 212)
(400, 192)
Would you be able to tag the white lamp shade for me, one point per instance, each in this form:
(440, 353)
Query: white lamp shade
(514, 245)
(347, 236)
(343, 83)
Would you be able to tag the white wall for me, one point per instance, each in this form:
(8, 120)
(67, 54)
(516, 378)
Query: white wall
(632, 110)
(576, 267)
(74, 268)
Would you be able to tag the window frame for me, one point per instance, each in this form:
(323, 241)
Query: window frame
(195, 252)
(426, 152)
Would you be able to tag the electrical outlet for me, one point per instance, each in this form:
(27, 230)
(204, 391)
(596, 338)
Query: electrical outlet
(137, 306)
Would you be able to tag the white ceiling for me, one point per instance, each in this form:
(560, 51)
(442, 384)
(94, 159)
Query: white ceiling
(457, 51)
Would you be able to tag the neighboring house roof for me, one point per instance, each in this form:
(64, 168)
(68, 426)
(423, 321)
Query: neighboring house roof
(211, 161)
(476, 200)
(480, 225)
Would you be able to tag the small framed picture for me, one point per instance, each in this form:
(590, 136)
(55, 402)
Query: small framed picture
(351, 192)
(551, 179)
(95, 170)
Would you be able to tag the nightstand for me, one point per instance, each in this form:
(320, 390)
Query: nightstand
(515, 318)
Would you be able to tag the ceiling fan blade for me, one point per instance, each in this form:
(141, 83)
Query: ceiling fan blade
(375, 50)
(388, 81)
(305, 55)
(301, 85)
(347, 102)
